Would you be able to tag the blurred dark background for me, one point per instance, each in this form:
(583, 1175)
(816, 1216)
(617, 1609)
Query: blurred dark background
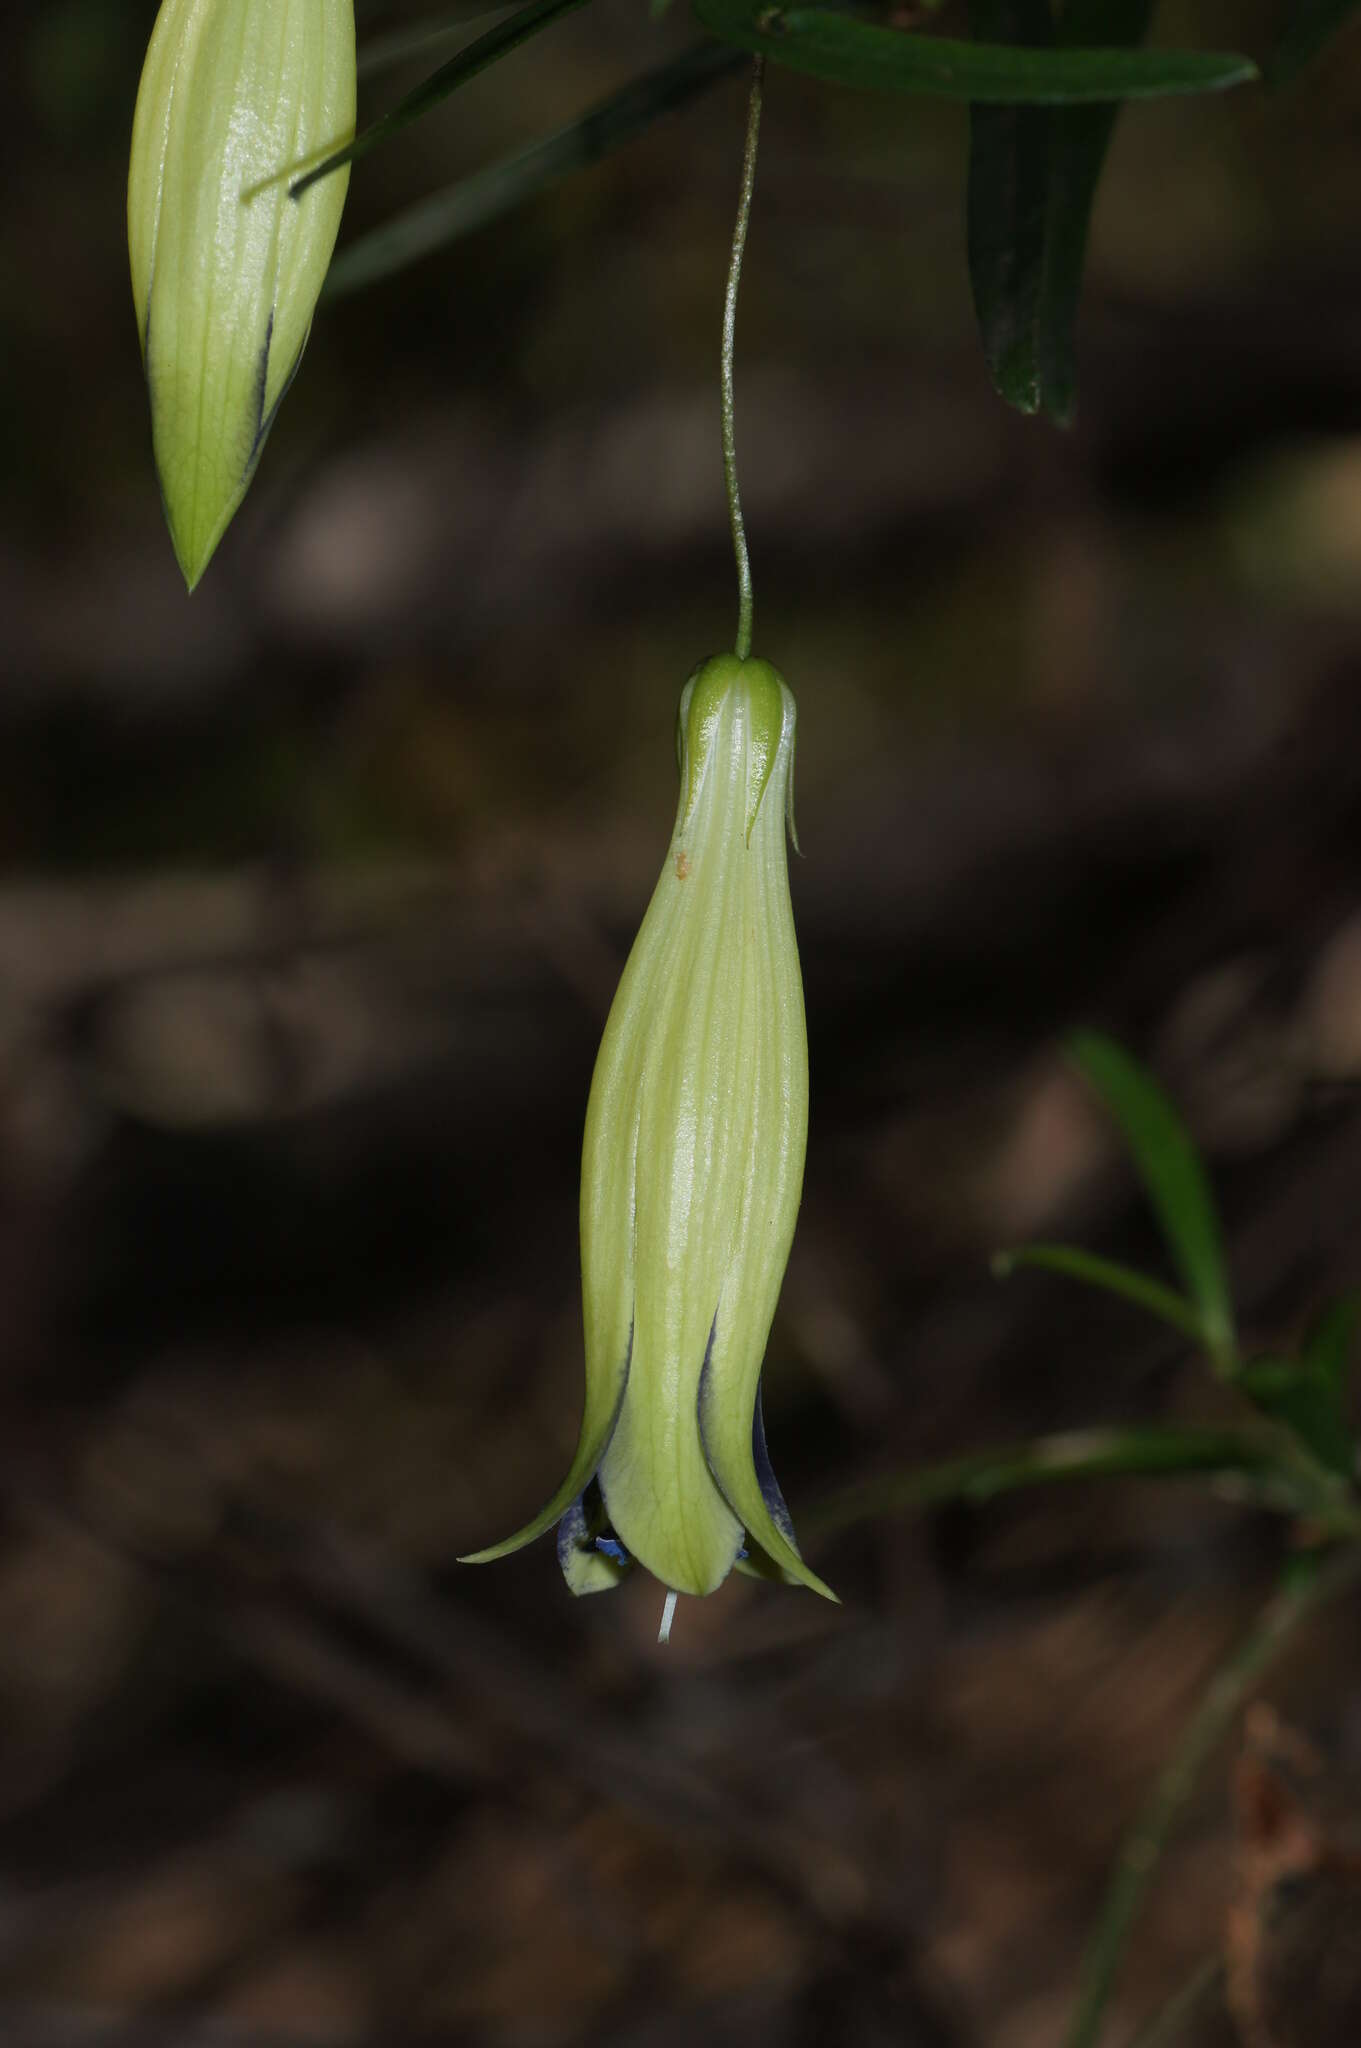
(314, 892)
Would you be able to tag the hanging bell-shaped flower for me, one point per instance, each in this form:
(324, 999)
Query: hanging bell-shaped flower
(236, 95)
(691, 1175)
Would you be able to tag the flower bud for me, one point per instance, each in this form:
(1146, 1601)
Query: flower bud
(226, 268)
(691, 1175)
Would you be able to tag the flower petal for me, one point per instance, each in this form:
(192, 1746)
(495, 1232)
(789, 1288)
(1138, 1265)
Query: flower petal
(658, 1488)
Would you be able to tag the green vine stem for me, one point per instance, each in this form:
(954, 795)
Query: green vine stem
(1308, 1584)
(739, 243)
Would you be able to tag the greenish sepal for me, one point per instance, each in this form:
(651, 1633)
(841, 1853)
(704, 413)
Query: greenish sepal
(586, 1565)
(729, 1441)
(604, 1399)
(756, 1564)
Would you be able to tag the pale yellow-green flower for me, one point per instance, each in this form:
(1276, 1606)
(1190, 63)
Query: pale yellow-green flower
(691, 1175)
(226, 268)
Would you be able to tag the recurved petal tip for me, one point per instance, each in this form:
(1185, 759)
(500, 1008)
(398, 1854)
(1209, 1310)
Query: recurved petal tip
(604, 1398)
(740, 1461)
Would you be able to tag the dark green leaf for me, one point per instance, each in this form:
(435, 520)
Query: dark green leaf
(1242, 1457)
(1169, 1166)
(1009, 196)
(1125, 1281)
(487, 50)
(399, 46)
(1311, 24)
(844, 51)
(476, 200)
(1033, 174)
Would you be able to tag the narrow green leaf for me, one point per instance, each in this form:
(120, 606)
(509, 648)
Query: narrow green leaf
(1033, 174)
(1169, 1166)
(379, 54)
(843, 51)
(474, 201)
(1109, 1275)
(1311, 25)
(487, 50)
(1007, 211)
(1246, 1458)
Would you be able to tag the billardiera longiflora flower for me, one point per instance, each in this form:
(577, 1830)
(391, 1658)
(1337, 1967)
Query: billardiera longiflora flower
(691, 1174)
(226, 268)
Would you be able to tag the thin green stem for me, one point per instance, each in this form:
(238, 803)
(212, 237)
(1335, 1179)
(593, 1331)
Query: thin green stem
(1307, 1585)
(739, 243)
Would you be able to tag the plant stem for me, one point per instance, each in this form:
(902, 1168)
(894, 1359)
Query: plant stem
(739, 243)
(1188, 2002)
(1309, 1582)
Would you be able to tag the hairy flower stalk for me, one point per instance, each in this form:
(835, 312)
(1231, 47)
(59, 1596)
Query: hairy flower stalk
(226, 267)
(691, 1174)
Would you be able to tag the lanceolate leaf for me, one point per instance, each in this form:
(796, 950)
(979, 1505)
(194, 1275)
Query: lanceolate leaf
(844, 51)
(1009, 200)
(1169, 1166)
(487, 193)
(1125, 1281)
(1309, 26)
(1245, 1459)
(1033, 173)
(1079, 139)
(479, 56)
